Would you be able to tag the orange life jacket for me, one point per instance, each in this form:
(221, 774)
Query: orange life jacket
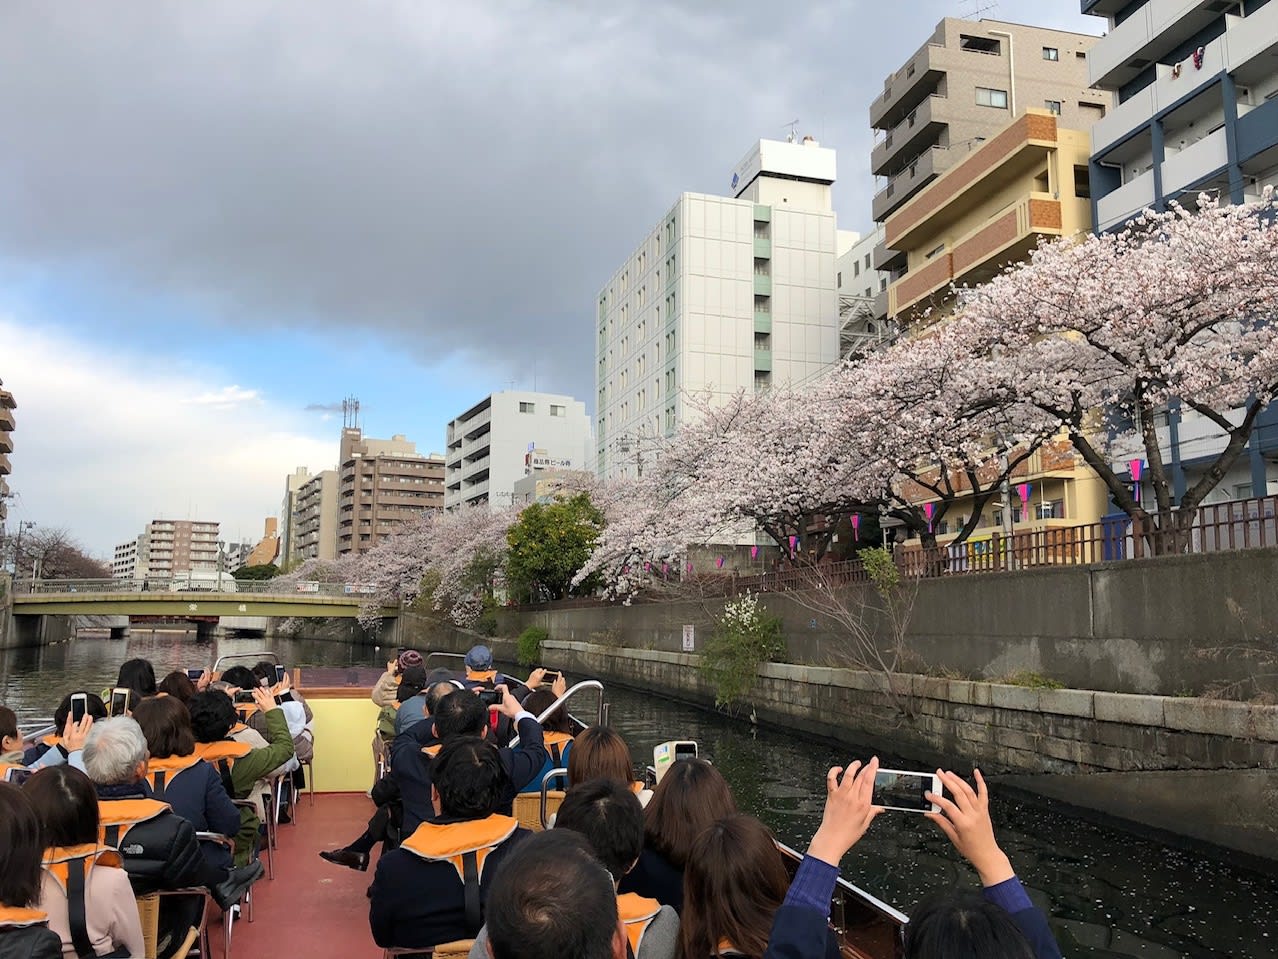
(480, 675)
(245, 711)
(466, 845)
(555, 746)
(433, 750)
(5, 767)
(221, 755)
(161, 772)
(71, 866)
(117, 816)
(51, 740)
(13, 916)
(637, 913)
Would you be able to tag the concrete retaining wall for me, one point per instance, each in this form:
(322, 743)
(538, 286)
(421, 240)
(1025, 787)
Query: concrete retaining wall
(1131, 627)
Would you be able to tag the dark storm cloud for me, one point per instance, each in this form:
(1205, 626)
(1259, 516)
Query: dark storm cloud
(458, 176)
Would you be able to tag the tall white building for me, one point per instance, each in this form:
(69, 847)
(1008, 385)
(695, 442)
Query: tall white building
(863, 320)
(725, 293)
(509, 435)
(129, 561)
(293, 485)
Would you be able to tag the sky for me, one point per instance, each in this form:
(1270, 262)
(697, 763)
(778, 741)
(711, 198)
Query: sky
(219, 219)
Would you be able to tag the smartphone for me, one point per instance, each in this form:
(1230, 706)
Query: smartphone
(194, 674)
(551, 675)
(279, 673)
(79, 707)
(896, 789)
(119, 704)
(18, 775)
(244, 698)
(489, 697)
(666, 755)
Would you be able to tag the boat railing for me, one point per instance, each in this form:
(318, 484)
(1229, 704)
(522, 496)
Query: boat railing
(559, 773)
(35, 730)
(584, 685)
(850, 899)
(265, 655)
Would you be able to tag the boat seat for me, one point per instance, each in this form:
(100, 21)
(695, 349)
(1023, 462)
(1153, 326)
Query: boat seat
(149, 915)
(457, 949)
(528, 808)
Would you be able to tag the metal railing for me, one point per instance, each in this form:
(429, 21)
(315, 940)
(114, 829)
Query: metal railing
(229, 585)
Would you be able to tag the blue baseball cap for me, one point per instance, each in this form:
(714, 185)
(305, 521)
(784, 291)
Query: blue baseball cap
(479, 657)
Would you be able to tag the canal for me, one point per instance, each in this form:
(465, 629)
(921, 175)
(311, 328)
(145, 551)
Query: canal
(1109, 893)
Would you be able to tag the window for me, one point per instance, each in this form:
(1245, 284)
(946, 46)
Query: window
(1054, 106)
(988, 97)
(979, 45)
(840, 283)
(1053, 510)
(856, 269)
(1082, 183)
(557, 410)
(1051, 53)
(528, 407)
(939, 249)
(867, 261)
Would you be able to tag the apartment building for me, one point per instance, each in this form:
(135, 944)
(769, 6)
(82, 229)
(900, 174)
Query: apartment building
(1197, 89)
(293, 484)
(1197, 85)
(862, 291)
(382, 484)
(1027, 182)
(7, 406)
(313, 524)
(508, 436)
(725, 293)
(964, 85)
(128, 563)
(167, 548)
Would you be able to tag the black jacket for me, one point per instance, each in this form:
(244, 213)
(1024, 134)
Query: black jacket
(411, 768)
(29, 942)
(162, 852)
(655, 878)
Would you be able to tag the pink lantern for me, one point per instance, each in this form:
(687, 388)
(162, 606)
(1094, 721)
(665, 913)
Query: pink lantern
(719, 562)
(794, 542)
(689, 567)
(754, 552)
(856, 526)
(928, 510)
(1137, 468)
(1023, 491)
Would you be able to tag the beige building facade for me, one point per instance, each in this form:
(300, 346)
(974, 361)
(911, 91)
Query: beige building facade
(957, 91)
(383, 484)
(7, 423)
(168, 548)
(313, 525)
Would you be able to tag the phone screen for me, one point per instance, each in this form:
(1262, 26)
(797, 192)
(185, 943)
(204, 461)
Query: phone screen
(79, 707)
(489, 697)
(244, 698)
(685, 751)
(194, 674)
(279, 674)
(902, 790)
(18, 776)
(119, 701)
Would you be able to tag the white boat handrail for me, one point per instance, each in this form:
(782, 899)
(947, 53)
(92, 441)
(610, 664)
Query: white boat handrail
(584, 684)
(264, 656)
(559, 773)
(46, 727)
(878, 905)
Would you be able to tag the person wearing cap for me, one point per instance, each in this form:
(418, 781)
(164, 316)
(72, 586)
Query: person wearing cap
(479, 667)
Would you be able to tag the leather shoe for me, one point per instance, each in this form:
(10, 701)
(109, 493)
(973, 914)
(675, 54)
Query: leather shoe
(231, 889)
(346, 857)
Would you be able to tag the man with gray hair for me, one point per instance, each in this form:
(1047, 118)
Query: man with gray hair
(159, 848)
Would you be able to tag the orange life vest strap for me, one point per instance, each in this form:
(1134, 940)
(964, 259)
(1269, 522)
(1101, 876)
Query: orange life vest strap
(637, 913)
(449, 842)
(554, 743)
(481, 675)
(161, 772)
(433, 750)
(117, 816)
(71, 867)
(13, 916)
(51, 740)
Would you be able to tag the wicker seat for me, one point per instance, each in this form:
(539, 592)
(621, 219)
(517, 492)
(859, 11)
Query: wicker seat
(149, 914)
(528, 808)
(458, 949)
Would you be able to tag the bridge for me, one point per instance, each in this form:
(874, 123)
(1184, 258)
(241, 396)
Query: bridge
(265, 598)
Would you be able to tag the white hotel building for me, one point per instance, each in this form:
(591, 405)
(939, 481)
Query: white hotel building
(724, 294)
(509, 435)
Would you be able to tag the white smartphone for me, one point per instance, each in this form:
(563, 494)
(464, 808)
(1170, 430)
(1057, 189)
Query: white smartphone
(119, 703)
(79, 706)
(897, 789)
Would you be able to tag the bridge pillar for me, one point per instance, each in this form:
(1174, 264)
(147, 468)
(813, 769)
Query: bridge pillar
(204, 631)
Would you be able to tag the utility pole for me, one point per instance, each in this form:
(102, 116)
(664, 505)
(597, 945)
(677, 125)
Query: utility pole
(220, 556)
(1008, 522)
(17, 546)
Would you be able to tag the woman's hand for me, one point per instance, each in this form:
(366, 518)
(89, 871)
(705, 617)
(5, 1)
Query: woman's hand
(202, 683)
(392, 667)
(74, 735)
(560, 685)
(848, 811)
(537, 678)
(265, 701)
(965, 819)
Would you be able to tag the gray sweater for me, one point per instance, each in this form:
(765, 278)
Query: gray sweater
(660, 940)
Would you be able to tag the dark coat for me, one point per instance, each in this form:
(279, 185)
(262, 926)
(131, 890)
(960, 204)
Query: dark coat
(655, 878)
(198, 795)
(161, 853)
(29, 942)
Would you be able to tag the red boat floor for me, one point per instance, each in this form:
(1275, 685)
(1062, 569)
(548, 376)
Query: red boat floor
(311, 907)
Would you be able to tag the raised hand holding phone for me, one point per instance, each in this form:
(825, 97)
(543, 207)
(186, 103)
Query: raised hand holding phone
(264, 699)
(75, 734)
(965, 819)
(849, 810)
(536, 678)
(560, 685)
(507, 705)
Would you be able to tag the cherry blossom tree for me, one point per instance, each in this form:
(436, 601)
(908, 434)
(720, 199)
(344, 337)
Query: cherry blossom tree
(1105, 332)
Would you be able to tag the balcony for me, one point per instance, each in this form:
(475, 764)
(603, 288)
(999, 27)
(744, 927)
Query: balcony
(762, 285)
(921, 171)
(909, 86)
(5, 468)
(479, 465)
(762, 213)
(762, 248)
(1196, 162)
(762, 322)
(920, 129)
(6, 420)
(1130, 198)
(886, 260)
(6, 443)
(763, 361)
(6, 400)
(919, 284)
(1147, 35)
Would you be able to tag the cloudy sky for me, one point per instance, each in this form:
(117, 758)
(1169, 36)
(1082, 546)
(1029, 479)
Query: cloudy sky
(219, 218)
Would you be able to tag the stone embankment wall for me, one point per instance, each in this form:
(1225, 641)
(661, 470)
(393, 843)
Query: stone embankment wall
(1143, 626)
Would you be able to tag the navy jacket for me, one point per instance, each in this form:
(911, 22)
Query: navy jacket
(198, 796)
(655, 878)
(411, 768)
(419, 902)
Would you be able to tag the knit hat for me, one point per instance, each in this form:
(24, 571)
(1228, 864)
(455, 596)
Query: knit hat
(409, 658)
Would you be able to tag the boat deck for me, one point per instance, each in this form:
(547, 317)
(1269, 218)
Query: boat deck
(311, 907)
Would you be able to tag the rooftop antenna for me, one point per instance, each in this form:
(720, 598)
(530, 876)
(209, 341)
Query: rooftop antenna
(978, 8)
(350, 413)
(794, 130)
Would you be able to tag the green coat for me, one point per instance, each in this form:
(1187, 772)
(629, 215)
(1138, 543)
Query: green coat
(248, 770)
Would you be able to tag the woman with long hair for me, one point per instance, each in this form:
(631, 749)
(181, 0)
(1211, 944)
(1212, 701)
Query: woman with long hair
(107, 919)
(23, 930)
(734, 882)
(599, 752)
(691, 796)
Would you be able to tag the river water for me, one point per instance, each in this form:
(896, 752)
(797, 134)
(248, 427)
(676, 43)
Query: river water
(1109, 893)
